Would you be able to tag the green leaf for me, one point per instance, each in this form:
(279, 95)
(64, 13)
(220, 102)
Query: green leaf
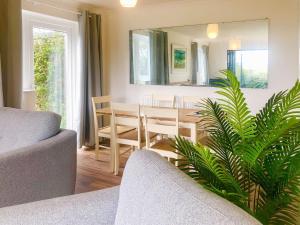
(252, 161)
(235, 106)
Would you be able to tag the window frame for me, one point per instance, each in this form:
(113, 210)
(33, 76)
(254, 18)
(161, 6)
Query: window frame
(70, 28)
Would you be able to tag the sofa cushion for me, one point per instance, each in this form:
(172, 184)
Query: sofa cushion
(19, 128)
(153, 191)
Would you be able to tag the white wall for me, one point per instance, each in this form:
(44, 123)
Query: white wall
(217, 58)
(283, 41)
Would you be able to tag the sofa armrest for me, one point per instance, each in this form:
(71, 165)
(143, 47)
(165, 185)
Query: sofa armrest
(44, 170)
(165, 195)
(91, 208)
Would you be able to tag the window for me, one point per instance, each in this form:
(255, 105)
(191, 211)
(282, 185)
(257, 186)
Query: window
(250, 66)
(202, 73)
(141, 58)
(49, 64)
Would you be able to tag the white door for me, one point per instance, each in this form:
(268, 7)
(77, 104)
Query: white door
(49, 64)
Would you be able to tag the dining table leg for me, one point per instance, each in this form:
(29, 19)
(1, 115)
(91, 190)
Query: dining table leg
(112, 149)
(194, 133)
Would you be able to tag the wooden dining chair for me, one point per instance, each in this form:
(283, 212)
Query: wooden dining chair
(103, 132)
(145, 100)
(165, 130)
(127, 115)
(163, 101)
(187, 134)
(190, 102)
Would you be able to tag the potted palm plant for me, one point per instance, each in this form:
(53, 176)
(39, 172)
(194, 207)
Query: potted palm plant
(251, 160)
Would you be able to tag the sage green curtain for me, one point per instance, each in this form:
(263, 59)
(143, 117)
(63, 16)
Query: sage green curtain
(91, 73)
(195, 61)
(131, 57)
(11, 51)
(231, 58)
(159, 57)
(204, 67)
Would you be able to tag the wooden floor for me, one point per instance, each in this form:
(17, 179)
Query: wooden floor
(94, 175)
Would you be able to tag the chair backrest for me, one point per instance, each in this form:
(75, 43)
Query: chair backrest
(190, 101)
(101, 100)
(169, 125)
(126, 115)
(96, 101)
(163, 101)
(145, 100)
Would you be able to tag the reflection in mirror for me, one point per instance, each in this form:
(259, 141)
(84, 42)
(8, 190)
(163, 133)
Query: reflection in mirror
(194, 55)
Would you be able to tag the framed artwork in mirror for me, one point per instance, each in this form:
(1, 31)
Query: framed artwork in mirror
(179, 58)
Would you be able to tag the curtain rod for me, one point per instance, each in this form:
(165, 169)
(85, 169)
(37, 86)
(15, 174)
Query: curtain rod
(35, 2)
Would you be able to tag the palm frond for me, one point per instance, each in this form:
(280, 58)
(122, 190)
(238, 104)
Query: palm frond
(278, 117)
(223, 138)
(208, 167)
(234, 104)
(253, 161)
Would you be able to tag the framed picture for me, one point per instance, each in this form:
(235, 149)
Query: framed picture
(179, 58)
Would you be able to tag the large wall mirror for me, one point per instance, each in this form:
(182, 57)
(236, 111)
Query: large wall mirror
(194, 55)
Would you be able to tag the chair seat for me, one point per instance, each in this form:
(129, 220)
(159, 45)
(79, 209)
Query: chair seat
(164, 144)
(133, 135)
(164, 148)
(184, 132)
(106, 131)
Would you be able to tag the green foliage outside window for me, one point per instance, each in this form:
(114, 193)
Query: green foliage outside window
(49, 71)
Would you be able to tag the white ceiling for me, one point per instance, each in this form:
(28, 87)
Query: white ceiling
(104, 3)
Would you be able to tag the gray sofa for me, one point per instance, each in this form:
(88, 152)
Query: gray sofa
(37, 159)
(152, 192)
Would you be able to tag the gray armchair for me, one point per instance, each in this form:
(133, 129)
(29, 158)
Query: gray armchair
(37, 159)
